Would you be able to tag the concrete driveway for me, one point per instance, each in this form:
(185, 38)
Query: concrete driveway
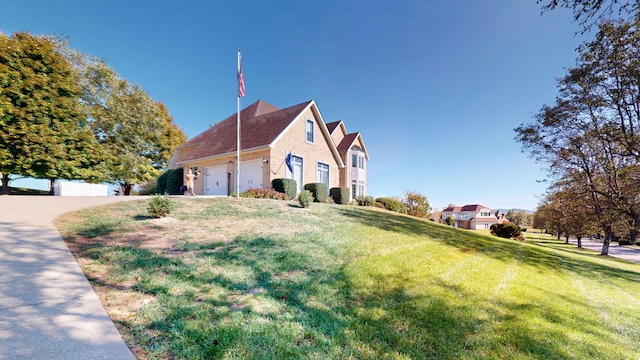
(48, 309)
(615, 250)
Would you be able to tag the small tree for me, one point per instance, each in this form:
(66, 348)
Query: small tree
(449, 220)
(417, 204)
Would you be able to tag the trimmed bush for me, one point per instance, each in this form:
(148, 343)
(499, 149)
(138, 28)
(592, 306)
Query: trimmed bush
(364, 200)
(265, 194)
(305, 198)
(170, 182)
(160, 206)
(340, 195)
(507, 230)
(392, 205)
(286, 186)
(318, 190)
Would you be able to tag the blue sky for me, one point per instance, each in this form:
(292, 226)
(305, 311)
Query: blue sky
(435, 87)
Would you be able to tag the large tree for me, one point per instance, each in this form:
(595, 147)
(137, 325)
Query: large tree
(592, 132)
(137, 134)
(43, 133)
(590, 12)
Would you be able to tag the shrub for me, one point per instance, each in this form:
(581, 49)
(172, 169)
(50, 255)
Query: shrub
(417, 204)
(450, 220)
(364, 200)
(287, 186)
(265, 194)
(305, 198)
(160, 206)
(392, 204)
(170, 182)
(507, 231)
(318, 190)
(341, 195)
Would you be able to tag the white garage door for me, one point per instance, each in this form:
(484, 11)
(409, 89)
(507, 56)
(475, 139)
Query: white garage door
(215, 180)
(250, 175)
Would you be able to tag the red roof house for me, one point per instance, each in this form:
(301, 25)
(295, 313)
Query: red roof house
(293, 142)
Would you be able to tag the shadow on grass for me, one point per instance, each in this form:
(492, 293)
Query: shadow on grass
(501, 249)
(315, 310)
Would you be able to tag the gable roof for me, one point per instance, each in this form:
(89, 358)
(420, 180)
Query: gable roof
(474, 207)
(261, 125)
(348, 141)
(332, 126)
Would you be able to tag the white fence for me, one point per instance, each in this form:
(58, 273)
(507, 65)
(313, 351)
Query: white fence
(79, 189)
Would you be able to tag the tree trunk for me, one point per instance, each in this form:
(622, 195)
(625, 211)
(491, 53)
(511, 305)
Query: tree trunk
(608, 236)
(633, 235)
(566, 239)
(126, 189)
(51, 182)
(5, 184)
(579, 237)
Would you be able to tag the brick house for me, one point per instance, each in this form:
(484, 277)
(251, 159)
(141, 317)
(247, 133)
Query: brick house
(293, 143)
(474, 217)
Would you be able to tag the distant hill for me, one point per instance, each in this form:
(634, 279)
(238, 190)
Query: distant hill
(516, 210)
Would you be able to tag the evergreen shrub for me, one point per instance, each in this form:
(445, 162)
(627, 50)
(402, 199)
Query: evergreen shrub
(170, 182)
(286, 186)
(392, 204)
(305, 198)
(507, 230)
(318, 190)
(340, 195)
(160, 206)
(365, 200)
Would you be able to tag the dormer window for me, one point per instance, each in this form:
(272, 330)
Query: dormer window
(310, 131)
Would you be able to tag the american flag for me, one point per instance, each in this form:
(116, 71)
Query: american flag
(240, 76)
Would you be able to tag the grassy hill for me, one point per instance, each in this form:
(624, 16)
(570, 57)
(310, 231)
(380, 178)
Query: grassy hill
(262, 279)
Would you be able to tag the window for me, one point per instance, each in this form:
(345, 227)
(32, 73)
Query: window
(485, 213)
(360, 187)
(354, 160)
(296, 175)
(361, 162)
(310, 131)
(354, 189)
(322, 173)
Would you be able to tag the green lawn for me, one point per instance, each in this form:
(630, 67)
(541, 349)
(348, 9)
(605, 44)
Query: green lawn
(263, 279)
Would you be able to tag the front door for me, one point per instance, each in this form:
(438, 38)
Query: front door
(296, 161)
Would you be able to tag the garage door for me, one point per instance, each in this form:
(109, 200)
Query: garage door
(250, 175)
(215, 180)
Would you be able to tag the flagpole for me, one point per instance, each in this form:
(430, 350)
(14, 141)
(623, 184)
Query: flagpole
(238, 129)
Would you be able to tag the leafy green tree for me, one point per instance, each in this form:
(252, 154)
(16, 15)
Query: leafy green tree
(591, 135)
(417, 204)
(43, 133)
(137, 134)
(172, 137)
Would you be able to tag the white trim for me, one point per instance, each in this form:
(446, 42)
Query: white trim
(323, 129)
(313, 131)
(318, 162)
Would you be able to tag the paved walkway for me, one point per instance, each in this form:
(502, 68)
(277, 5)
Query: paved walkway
(48, 309)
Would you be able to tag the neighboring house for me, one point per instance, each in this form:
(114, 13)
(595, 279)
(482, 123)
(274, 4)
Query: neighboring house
(474, 217)
(293, 143)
